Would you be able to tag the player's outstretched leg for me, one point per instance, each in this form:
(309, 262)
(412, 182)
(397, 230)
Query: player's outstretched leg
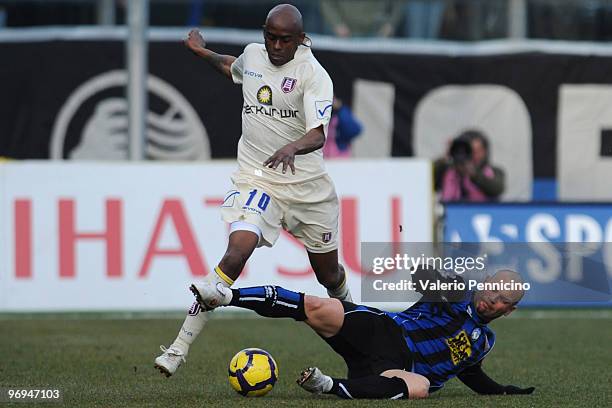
(325, 316)
(240, 247)
(392, 384)
(331, 274)
(268, 301)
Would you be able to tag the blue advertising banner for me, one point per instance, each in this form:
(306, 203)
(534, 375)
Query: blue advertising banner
(563, 250)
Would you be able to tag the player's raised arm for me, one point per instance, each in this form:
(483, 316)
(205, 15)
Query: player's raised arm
(196, 44)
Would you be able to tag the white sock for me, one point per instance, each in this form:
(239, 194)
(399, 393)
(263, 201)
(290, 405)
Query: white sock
(196, 317)
(191, 328)
(342, 293)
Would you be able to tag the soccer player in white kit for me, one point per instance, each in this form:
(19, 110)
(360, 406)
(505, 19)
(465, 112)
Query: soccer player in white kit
(281, 181)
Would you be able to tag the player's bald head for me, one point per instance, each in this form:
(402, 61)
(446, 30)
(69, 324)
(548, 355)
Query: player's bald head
(509, 276)
(500, 295)
(283, 33)
(285, 17)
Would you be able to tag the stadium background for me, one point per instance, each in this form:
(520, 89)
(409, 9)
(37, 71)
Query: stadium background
(97, 250)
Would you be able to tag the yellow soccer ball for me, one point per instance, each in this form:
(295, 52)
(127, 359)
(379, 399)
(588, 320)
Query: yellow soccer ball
(253, 372)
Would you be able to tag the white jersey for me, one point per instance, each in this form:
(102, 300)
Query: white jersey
(281, 104)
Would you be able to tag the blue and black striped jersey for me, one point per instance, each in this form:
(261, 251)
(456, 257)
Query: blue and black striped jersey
(443, 345)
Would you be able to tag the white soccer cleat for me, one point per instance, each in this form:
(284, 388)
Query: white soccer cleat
(313, 380)
(211, 296)
(169, 361)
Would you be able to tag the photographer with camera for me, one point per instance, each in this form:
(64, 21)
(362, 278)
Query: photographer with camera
(465, 174)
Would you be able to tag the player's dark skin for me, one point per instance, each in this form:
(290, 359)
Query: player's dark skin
(283, 33)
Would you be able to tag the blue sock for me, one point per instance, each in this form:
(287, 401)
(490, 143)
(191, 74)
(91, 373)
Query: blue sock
(270, 301)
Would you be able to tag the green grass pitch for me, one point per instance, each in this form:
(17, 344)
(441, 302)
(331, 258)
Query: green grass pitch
(101, 362)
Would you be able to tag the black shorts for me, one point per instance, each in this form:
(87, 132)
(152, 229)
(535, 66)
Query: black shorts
(370, 342)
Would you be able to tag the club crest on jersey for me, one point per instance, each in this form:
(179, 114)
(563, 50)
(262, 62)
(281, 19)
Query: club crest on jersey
(264, 95)
(475, 334)
(288, 84)
(326, 237)
(460, 347)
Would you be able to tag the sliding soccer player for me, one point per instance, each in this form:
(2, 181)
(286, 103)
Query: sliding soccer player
(390, 355)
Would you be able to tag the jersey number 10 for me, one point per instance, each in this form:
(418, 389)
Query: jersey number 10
(264, 200)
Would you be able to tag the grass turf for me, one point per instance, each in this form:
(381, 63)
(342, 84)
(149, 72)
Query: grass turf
(103, 363)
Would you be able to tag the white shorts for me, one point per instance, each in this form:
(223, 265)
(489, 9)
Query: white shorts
(308, 210)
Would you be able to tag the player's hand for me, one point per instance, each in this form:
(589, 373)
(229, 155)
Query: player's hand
(514, 390)
(194, 40)
(285, 155)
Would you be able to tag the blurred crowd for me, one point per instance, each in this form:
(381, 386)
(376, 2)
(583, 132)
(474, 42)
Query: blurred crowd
(462, 20)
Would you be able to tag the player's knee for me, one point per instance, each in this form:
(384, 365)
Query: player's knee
(313, 306)
(418, 388)
(320, 309)
(325, 316)
(418, 385)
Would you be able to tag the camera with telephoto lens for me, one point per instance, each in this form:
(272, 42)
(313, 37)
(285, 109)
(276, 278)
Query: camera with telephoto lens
(461, 150)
